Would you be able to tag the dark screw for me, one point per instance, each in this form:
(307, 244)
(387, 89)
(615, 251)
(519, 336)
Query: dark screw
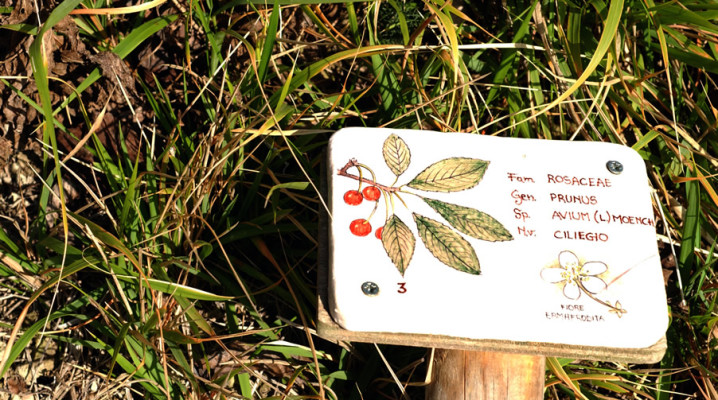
(370, 288)
(615, 167)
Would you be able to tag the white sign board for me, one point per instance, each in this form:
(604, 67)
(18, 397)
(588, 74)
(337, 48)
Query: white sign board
(493, 238)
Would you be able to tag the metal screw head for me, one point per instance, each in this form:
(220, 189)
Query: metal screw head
(615, 167)
(370, 288)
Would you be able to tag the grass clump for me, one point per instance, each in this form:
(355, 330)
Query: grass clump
(160, 199)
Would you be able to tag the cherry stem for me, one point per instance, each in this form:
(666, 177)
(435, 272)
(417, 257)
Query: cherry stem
(360, 179)
(376, 205)
(402, 200)
(354, 163)
(388, 201)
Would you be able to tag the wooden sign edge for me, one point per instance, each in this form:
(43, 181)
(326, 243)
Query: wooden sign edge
(328, 329)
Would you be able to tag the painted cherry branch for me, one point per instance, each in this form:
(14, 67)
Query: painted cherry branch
(354, 163)
(442, 239)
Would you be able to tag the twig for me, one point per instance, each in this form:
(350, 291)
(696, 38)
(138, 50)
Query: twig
(354, 163)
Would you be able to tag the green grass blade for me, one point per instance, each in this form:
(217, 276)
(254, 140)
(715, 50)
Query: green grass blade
(507, 61)
(107, 238)
(177, 289)
(269, 41)
(14, 351)
(610, 29)
(39, 60)
(690, 237)
(123, 49)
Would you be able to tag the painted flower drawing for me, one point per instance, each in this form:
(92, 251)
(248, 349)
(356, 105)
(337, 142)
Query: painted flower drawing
(577, 278)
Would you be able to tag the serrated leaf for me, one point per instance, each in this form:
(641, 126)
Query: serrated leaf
(399, 243)
(447, 246)
(450, 175)
(472, 222)
(396, 154)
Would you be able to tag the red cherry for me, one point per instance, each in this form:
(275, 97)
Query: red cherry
(371, 193)
(360, 227)
(378, 232)
(353, 197)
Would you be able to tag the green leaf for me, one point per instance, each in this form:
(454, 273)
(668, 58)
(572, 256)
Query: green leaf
(177, 289)
(106, 238)
(398, 242)
(193, 316)
(24, 341)
(691, 235)
(303, 77)
(269, 42)
(645, 139)
(451, 175)
(125, 47)
(670, 14)
(245, 385)
(39, 62)
(447, 246)
(471, 222)
(508, 58)
(396, 154)
(287, 185)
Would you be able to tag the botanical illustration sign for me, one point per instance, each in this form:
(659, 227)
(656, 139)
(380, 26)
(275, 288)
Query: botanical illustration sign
(444, 242)
(493, 238)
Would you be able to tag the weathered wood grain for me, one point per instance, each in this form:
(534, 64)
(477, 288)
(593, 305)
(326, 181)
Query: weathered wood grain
(484, 375)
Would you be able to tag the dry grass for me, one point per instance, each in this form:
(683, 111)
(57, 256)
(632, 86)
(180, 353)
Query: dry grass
(176, 256)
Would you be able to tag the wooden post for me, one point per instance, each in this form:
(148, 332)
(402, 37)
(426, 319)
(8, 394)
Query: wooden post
(484, 375)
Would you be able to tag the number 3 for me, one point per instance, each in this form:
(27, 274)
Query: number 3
(402, 287)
